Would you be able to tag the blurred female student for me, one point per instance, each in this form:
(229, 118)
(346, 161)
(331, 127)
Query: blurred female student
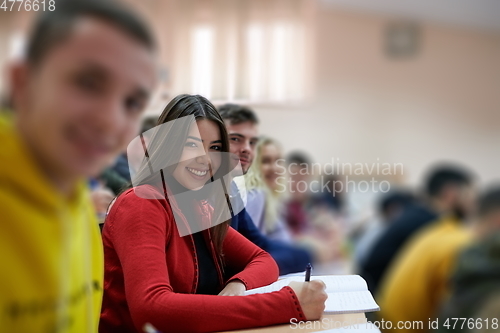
(264, 203)
(181, 283)
(267, 188)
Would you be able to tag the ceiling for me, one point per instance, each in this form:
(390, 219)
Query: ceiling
(479, 14)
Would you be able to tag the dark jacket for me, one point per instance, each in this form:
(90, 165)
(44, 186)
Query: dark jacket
(290, 259)
(391, 241)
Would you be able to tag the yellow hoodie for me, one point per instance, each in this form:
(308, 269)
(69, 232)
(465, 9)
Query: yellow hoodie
(50, 249)
(418, 281)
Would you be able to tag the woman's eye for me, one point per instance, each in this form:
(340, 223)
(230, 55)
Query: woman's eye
(191, 144)
(218, 148)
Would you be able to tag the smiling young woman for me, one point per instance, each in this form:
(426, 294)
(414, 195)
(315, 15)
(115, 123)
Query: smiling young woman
(156, 272)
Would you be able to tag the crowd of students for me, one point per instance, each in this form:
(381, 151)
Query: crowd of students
(433, 260)
(77, 102)
(190, 209)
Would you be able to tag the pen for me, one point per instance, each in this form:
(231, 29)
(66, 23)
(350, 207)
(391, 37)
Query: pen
(308, 272)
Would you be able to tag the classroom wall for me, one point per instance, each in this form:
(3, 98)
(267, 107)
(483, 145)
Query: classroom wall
(5, 31)
(11, 24)
(441, 104)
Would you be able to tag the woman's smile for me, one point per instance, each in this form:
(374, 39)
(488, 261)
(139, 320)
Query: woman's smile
(197, 174)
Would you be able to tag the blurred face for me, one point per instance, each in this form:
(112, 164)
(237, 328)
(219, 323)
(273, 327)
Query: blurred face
(464, 203)
(269, 167)
(298, 173)
(488, 224)
(201, 156)
(299, 181)
(242, 140)
(81, 105)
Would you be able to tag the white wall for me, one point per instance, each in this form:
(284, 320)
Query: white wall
(442, 105)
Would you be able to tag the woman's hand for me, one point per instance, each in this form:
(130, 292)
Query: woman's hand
(311, 296)
(233, 288)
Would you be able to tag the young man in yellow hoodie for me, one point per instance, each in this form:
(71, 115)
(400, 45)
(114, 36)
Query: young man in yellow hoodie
(417, 282)
(77, 97)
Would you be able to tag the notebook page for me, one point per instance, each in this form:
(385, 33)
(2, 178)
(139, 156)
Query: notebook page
(334, 283)
(341, 283)
(349, 302)
(360, 328)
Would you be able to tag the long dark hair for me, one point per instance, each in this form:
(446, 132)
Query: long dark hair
(165, 149)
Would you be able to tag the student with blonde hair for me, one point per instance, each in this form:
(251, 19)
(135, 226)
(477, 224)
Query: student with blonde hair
(264, 197)
(265, 182)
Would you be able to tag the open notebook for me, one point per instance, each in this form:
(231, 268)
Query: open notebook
(346, 293)
(360, 328)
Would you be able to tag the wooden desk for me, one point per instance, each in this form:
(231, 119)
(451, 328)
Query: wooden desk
(327, 322)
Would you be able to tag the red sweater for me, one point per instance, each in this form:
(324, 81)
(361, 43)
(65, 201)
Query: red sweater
(151, 275)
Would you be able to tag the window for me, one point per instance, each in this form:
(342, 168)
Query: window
(248, 53)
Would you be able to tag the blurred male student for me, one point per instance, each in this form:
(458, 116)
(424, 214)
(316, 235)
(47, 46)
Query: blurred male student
(417, 282)
(475, 284)
(242, 127)
(77, 99)
(444, 193)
